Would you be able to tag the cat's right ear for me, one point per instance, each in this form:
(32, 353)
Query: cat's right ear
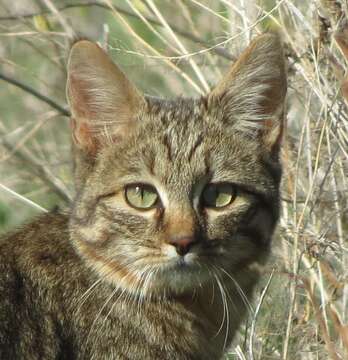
(103, 102)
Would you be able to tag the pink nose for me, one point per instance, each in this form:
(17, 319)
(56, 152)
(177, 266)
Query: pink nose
(182, 243)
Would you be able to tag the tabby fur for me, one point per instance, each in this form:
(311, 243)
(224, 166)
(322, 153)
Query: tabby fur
(103, 280)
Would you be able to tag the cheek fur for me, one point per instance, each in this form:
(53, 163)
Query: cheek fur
(124, 245)
(242, 236)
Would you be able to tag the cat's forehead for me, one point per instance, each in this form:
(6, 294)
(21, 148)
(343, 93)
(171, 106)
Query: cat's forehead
(178, 128)
(180, 141)
(186, 125)
(176, 115)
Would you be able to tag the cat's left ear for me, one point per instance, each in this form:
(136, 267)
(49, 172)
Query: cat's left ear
(250, 98)
(103, 102)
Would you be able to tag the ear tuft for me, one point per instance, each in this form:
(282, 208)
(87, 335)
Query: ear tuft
(252, 94)
(103, 101)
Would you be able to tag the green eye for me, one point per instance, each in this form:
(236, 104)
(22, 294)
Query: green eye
(218, 195)
(141, 196)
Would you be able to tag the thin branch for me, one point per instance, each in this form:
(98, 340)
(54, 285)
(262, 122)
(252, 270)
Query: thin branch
(39, 170)
(65, 25)
(35, 93)
(180, 45)
(42, 172)
(219, 50)
(257, 310)
(154, 51)
(22, 198)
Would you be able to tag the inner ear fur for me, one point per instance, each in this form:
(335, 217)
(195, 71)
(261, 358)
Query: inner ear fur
(252, 94)
(103, 102)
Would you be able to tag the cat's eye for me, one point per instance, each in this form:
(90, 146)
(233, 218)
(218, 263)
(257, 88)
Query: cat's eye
(141, 196)
(218, 195)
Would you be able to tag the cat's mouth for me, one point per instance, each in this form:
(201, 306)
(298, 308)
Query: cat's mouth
(179, 275)
(182, 264)
(187, 264)
(182, 267)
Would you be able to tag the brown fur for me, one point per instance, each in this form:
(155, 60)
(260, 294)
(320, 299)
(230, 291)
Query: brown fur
(104, 281)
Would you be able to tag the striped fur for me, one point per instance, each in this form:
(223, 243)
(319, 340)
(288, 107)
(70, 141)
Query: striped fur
(103, 281)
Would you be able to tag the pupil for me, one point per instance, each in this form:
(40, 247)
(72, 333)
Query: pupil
(140, 192)
(215, 194)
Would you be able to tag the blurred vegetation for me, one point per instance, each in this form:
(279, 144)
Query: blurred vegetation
(182, 47)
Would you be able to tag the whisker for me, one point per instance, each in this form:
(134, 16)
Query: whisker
(89, 291)
(226, 315)
(99, 313)
(223, 316)
(240, 291)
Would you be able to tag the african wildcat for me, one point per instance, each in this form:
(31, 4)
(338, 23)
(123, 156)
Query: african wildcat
(176, 204)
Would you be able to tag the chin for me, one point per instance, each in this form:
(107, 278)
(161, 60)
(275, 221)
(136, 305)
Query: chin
(181, 276)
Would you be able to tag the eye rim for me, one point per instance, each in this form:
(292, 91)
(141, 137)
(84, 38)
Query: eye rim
(146, 186)
(216, 184)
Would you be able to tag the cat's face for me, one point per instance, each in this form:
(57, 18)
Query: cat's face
(178, 192)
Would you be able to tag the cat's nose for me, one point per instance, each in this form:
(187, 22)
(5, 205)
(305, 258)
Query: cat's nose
(182, 244)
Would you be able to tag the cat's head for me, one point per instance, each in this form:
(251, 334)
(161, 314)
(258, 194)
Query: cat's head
(172, 193)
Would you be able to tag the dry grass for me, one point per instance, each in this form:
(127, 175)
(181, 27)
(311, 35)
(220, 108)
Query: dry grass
(182, 47)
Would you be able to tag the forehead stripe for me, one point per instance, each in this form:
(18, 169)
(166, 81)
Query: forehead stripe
(195, 146)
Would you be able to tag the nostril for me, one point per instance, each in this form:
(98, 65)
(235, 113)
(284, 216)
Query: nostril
(182, 244)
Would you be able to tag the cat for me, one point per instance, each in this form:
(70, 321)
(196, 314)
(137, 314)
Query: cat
(176, 203)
